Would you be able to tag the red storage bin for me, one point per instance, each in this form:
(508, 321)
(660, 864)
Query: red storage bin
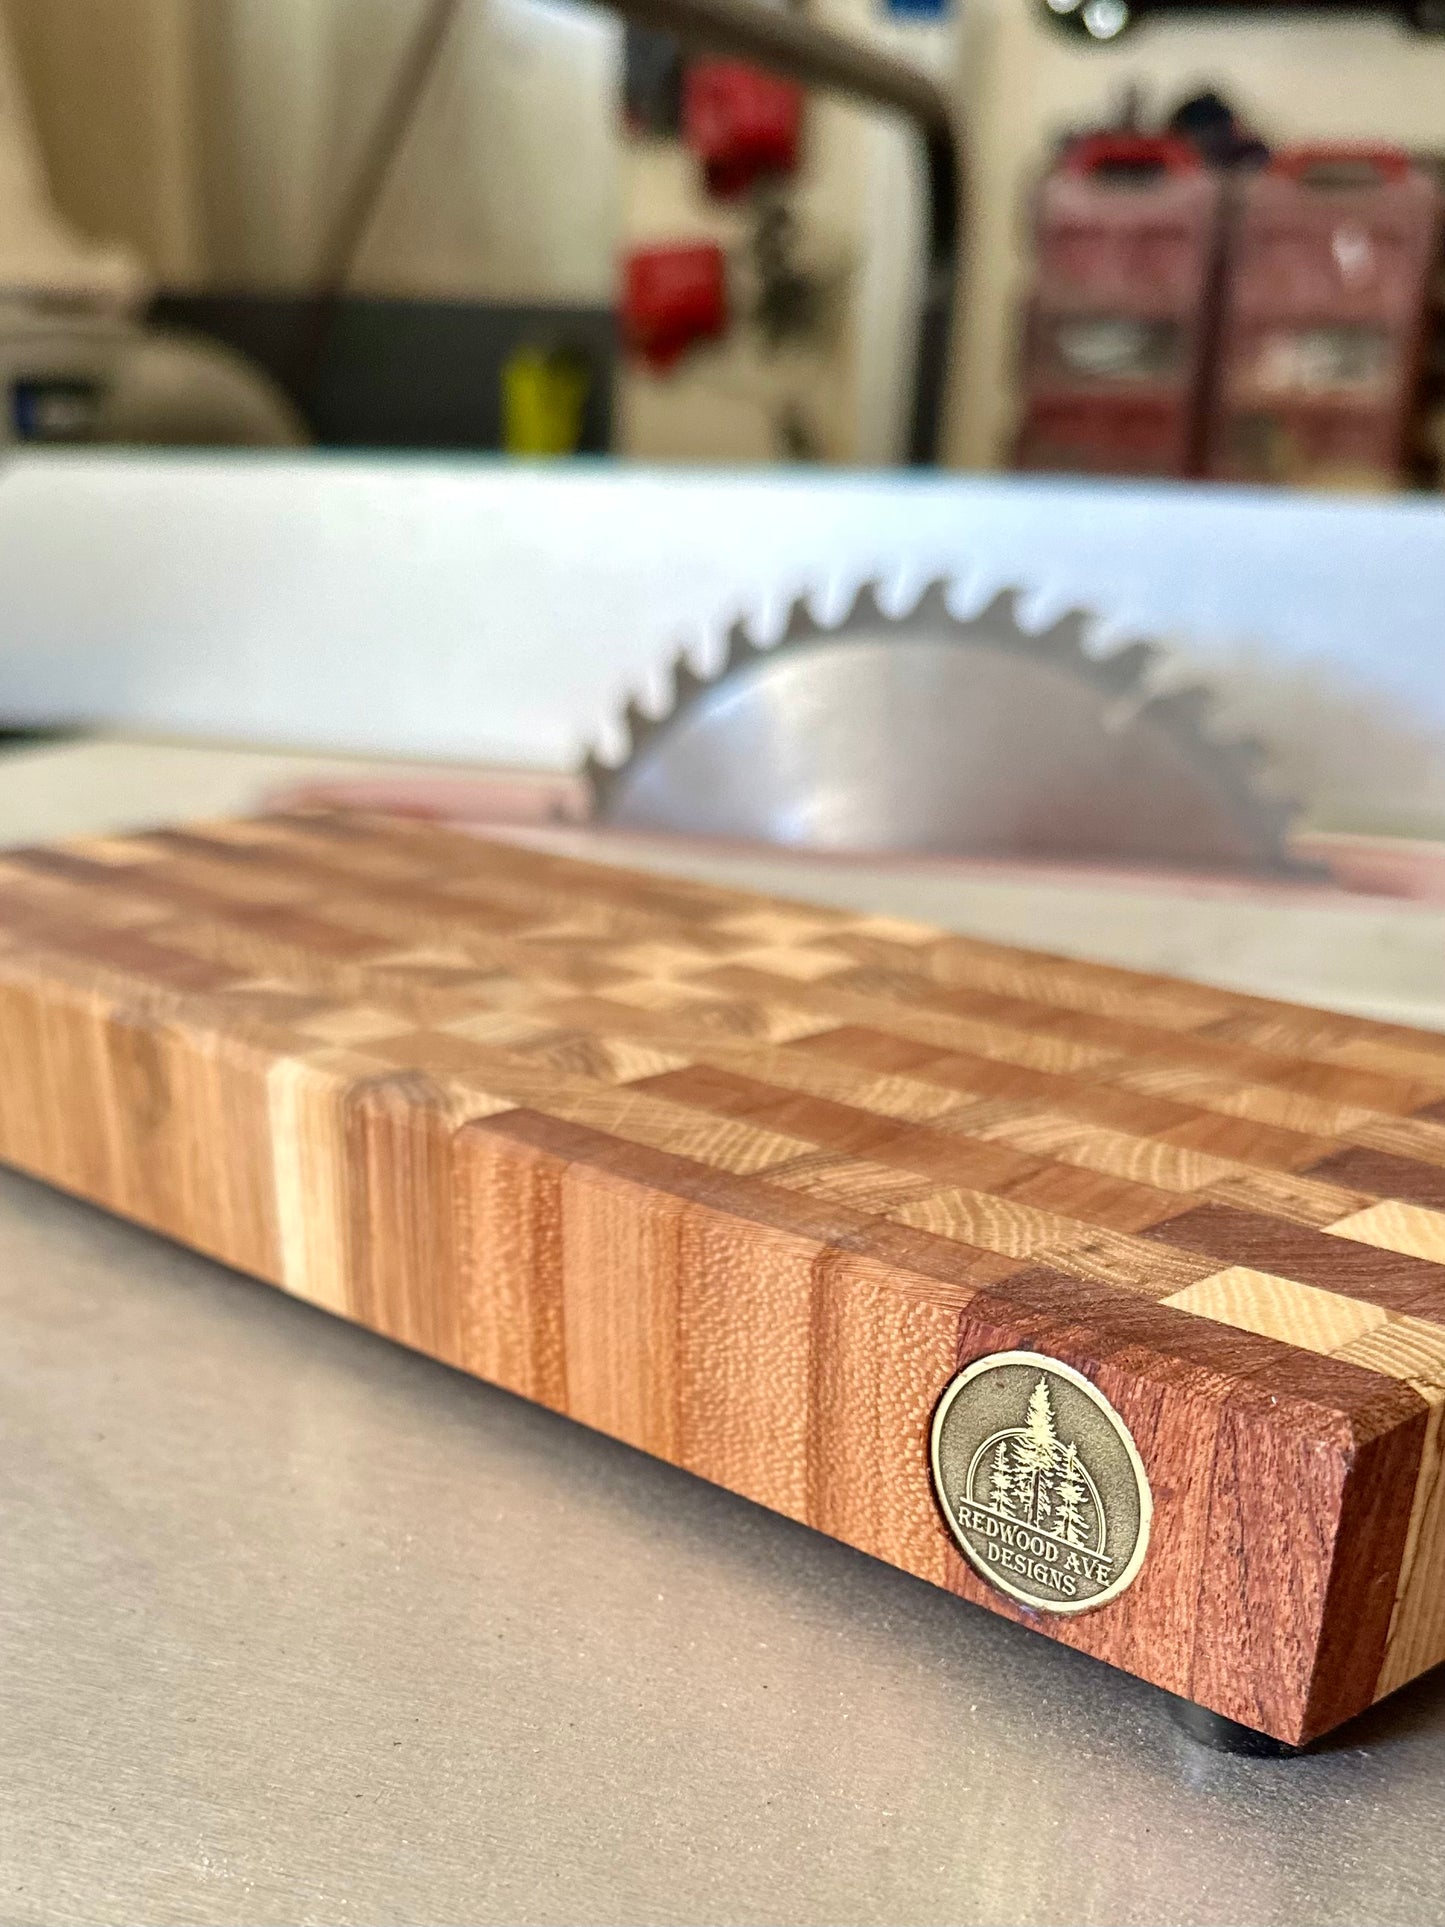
(1118, 323)
(1331, 268)
(672, 297)
(741, 123)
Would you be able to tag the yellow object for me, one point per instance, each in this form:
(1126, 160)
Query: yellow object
(543, 395)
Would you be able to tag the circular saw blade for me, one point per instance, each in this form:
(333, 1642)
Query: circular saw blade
(946, 735)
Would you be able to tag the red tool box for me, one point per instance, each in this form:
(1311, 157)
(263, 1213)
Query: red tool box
(672, 297)
(1331, 267)
(1118, 324)
(743, 124)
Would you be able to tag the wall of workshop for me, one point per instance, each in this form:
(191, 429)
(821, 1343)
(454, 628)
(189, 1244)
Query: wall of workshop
(216, 136)
(1022, 82)
(857, 199)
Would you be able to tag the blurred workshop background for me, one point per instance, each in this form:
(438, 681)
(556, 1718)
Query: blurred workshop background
(528, 224)
(776, 272)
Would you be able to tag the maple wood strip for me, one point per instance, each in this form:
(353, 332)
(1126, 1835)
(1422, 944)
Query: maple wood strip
(1275, 1307)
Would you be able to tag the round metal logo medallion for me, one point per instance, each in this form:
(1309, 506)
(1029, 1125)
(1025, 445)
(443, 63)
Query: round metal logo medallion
(1041, 1482)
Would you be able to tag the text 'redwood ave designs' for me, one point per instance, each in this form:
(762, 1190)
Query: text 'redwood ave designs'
(1041, 1482)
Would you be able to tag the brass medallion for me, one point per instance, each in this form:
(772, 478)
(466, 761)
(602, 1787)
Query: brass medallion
(1041, 1482)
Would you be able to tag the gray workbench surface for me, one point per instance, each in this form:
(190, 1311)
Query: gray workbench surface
(296, 1626)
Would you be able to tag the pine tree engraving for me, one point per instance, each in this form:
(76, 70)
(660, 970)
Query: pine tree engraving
(1037, 1454)
(1001, 1483)
(1037, 1479)
(1070, 1497)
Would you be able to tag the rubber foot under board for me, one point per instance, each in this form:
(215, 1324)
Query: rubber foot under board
(1228, 1736)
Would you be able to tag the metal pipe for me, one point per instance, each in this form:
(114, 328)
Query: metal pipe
(817, 57)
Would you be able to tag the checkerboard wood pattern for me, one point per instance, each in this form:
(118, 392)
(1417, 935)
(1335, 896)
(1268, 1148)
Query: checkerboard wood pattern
(746, 1182)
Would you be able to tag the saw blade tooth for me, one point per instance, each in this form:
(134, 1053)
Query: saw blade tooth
(932, 606)
(639, 724)
(865, 611)
(802, 623)
(1001, 611)
(1125, 668)
(598, 776)
(1064, 637)
(685, 680)
(740, 647)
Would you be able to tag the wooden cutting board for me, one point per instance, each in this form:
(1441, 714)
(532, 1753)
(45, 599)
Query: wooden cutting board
(1112, 1303)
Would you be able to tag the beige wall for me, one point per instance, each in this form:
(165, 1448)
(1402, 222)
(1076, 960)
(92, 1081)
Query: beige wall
(216, 135)
(110, 85)
(1022, 82)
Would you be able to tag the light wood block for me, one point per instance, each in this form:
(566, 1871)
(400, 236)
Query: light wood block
(749, 1185)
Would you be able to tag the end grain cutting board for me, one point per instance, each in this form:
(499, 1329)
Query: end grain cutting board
(1112, 1303)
